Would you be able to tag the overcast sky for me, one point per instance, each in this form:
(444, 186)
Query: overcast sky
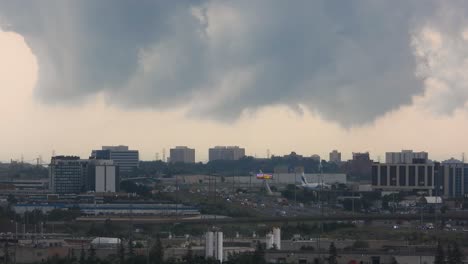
(304, 76)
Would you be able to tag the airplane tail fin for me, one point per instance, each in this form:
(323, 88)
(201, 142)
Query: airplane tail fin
(303, 179)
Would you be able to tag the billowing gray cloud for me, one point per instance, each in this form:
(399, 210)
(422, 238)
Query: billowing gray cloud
(349, 61)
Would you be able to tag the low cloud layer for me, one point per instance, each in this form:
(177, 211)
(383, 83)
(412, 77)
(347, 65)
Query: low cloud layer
(348, 61)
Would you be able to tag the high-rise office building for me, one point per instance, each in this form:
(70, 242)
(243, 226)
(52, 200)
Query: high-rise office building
(182, 154)
(127, 160)
(226, 153)
(335, 157)
(72, 175)
(67, 174)
(405, 156)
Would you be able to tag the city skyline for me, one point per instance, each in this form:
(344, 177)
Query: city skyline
(425, 109)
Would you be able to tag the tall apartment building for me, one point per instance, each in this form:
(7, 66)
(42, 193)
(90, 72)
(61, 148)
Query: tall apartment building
(335, 156)
(404, 176)
(405, 156)
(226, 153)
(127, 160)
(182, 154)
(72, 175)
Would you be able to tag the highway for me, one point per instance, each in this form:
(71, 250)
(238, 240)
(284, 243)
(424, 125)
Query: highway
(278, 219)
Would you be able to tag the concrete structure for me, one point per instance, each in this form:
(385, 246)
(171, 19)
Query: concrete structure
(182, 154)
(277, 238)
(403, 177)
(214, 245)
(335, 157)
(405, 156)
(269, 241)
(226, 153)
(67, 174)
(127, 160)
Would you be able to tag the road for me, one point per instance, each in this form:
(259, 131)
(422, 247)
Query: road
(335, 217)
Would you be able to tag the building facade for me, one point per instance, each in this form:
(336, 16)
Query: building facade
(103, 176)
(452, 179)
(226, 153)
(403, 177)
(72, 175)
(67, 174)
(335, 156)
(405, 156)
(182, 154)
(126, 160)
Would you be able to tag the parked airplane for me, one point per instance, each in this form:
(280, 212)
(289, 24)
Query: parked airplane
(313, 186)
(264, 176)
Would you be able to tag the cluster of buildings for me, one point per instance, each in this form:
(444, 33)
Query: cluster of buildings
(415, 172)
(187, 155)
(99, 173)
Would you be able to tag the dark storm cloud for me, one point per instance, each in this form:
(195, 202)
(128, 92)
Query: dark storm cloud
(349, 61)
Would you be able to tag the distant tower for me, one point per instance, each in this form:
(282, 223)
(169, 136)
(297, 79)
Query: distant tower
(164, 155)
(22, 159)
(157, 156)
(268, 153)
(53, 153)
(463, 157)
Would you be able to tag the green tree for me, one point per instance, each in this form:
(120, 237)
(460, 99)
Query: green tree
(121, 252)
(156, 254)
(393, 261)
(259, 254)
(82, 256)
(332, 254)
(91, 255)
(440, 255)
(454, 255)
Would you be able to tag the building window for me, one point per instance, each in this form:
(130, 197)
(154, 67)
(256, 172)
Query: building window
(402, 176)
(393, 175)
(375, 171)
(421, 175)
(429, 175)
(383, 176)
(412, 176)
